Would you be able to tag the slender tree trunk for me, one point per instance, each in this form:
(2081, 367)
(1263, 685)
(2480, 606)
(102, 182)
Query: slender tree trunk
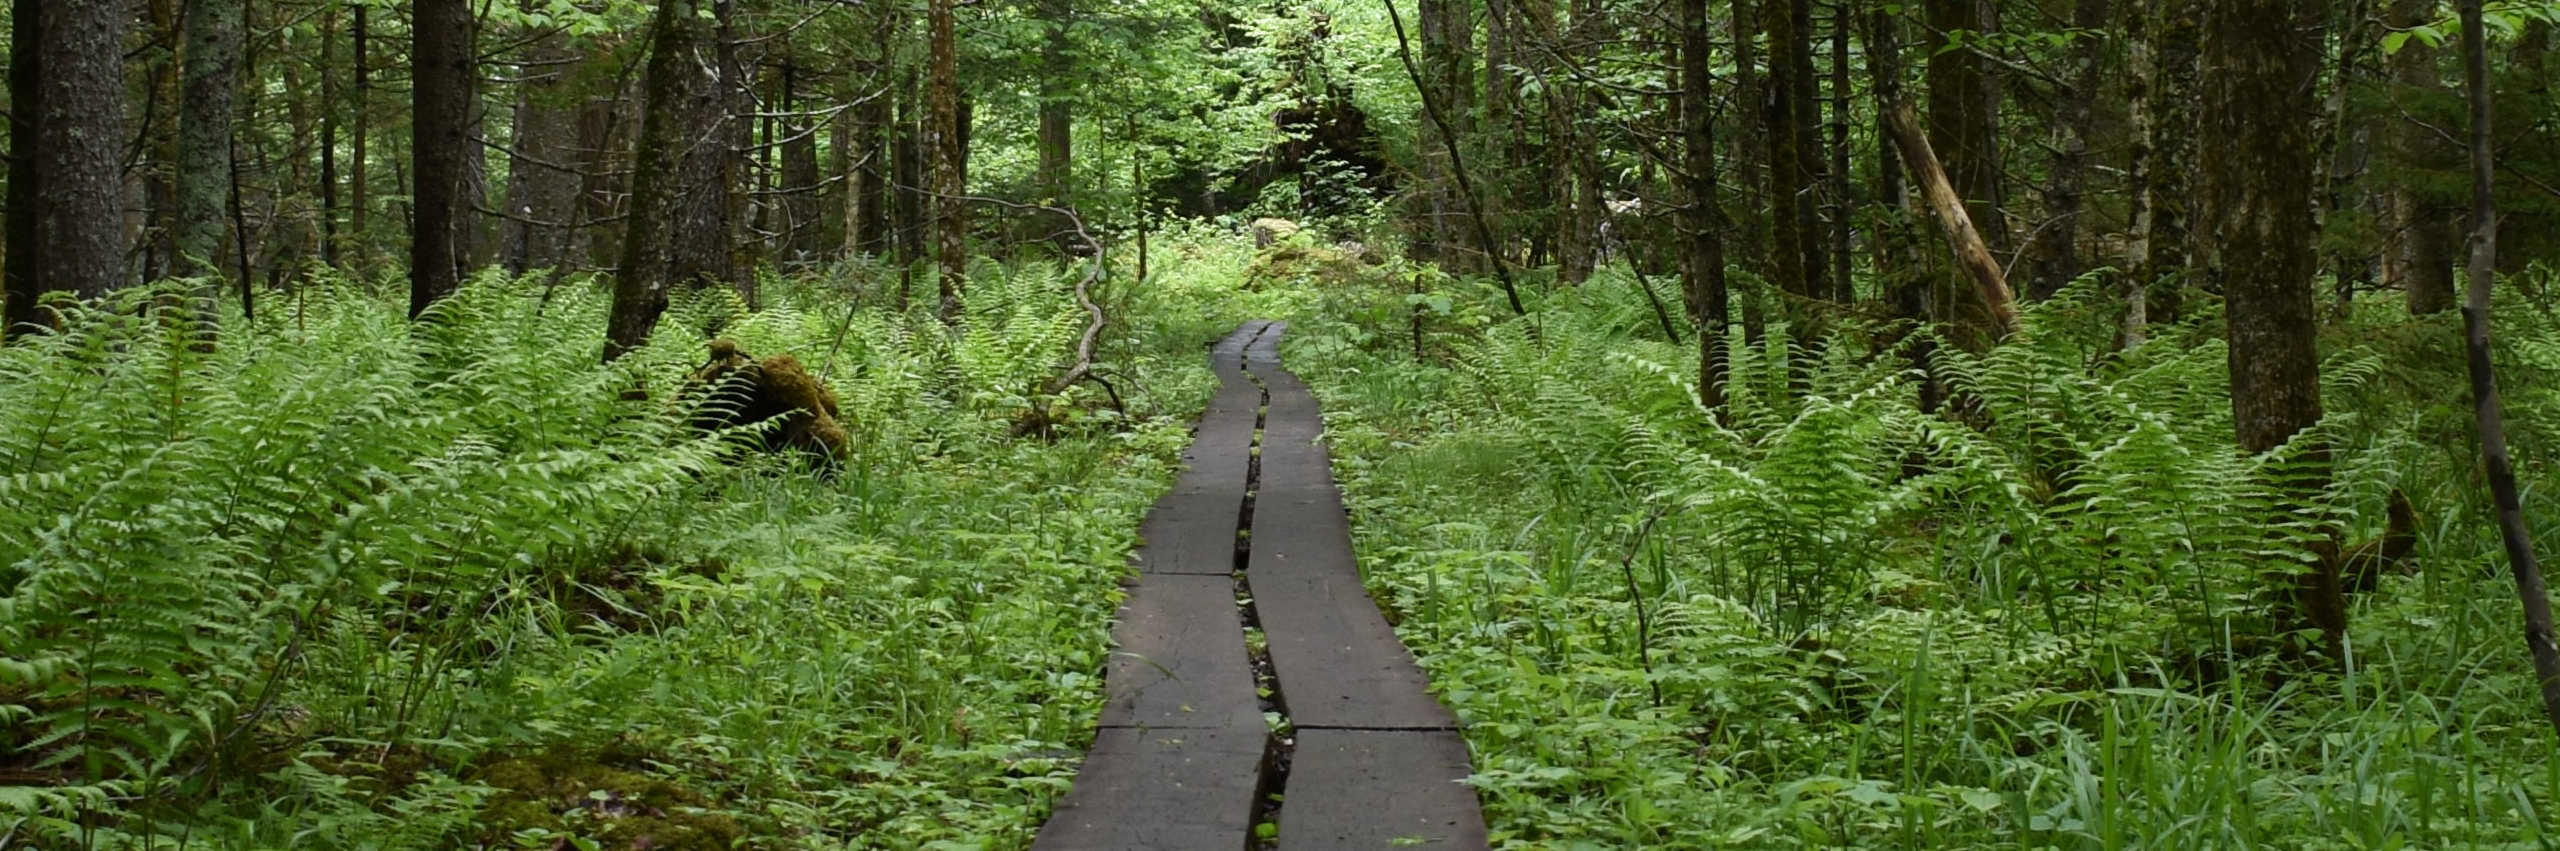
(2482, 273)
(79, 142)
(1843, 289)
(2058, 245)
(1750, 154)
(441, 98)
(24, 253)
(1702, 236)
(2419, 258)
(359, 205)
(950, 157)
(2260, 60)
(329, 138)
(160, 107)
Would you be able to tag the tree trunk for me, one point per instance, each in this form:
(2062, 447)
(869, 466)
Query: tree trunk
(161, 100)
(1702, 237)
(359, 203)
(802, 228)
(212, 58)
(2058, 259)
(1750, 154)
(1964, 115)
(1797, 253)
(2260, 61)
(329, 138)
(677, 229)
(2482, 272)
(2419, 258)
(950, 157)
(24, 253)
(1057, 149)
(441, 99)
(80, 134)
(1843, 288)
(2164, 160)
(542, 188)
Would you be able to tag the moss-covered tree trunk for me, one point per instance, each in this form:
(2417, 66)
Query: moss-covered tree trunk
(2260, 60)
(2057, 247)
(677, 229)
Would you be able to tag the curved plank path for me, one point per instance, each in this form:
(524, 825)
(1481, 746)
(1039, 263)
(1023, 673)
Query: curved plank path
(1184, 760)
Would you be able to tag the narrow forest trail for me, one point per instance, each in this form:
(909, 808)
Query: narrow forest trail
(1254, 532)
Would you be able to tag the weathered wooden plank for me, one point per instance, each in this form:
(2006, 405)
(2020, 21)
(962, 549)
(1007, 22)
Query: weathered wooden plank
(1338, 662)
(1160, 790)
(1178, 659)
(1367, 790)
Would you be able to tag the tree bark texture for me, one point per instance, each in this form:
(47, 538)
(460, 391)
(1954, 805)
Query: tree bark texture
(2419, 255)
(80, 134)
(677, 230)
(950, 160)
(2482, 273)
(2260, 62)
(1702, 238)
(540, 230)
(441, 99)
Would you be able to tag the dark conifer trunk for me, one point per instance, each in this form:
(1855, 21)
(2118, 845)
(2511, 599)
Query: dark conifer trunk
(24, 253)
(1702, 237)
(80, 134)
(441, 100)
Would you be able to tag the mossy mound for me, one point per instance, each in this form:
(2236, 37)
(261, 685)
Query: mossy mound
(745, 391)
(567, 792)
(1299, 261)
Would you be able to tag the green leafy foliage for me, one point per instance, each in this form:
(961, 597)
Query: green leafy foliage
(314, 583)
(2040, 617)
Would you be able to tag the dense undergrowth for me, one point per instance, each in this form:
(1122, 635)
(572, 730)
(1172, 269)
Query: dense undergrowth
(1833, 620)
(336, 582)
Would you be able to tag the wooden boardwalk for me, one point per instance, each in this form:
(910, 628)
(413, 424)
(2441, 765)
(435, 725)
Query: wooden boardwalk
(1184, 760)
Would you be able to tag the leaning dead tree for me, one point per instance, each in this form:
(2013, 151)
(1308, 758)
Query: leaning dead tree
(2481, 273)
(1971, 254)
